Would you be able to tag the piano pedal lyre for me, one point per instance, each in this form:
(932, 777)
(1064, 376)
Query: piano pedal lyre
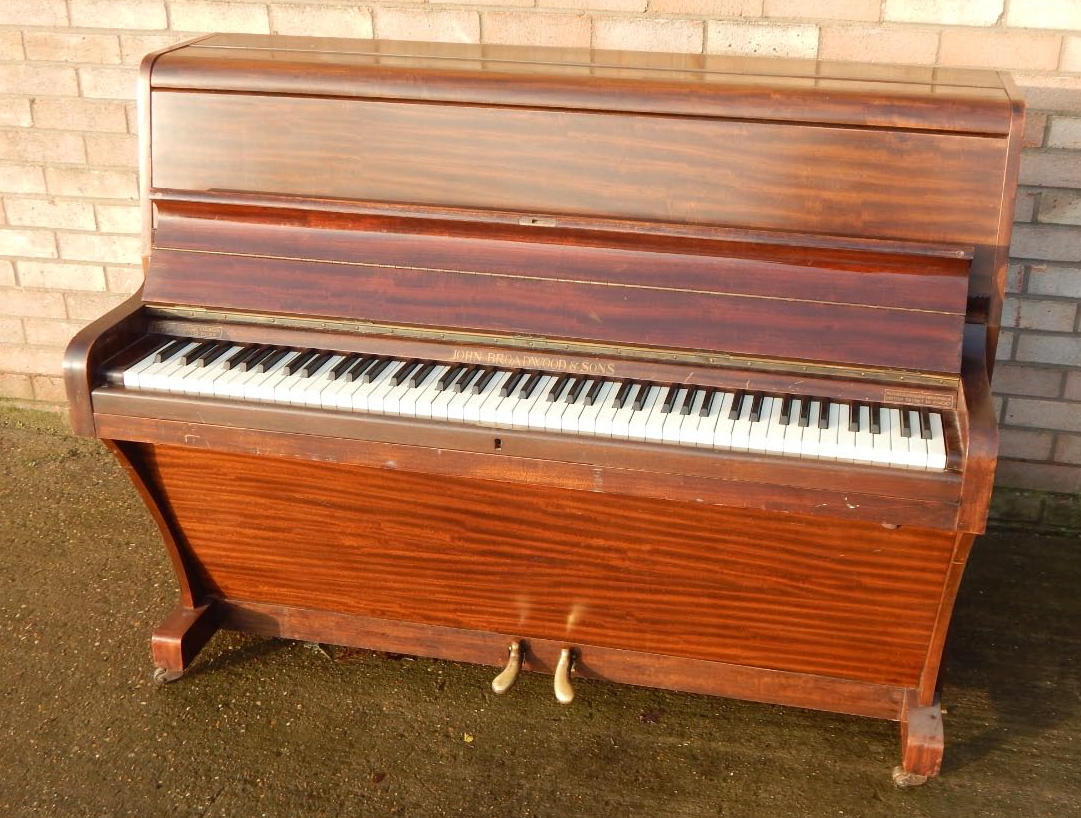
(509, 675)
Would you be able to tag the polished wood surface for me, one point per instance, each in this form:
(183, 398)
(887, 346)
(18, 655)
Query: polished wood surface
(816, 228)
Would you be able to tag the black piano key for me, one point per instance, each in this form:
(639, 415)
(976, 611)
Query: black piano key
(786, 409)
(530, 385)
(159, 345)
(297, 363)
(360, 369)
(876, 419)
(169, 350)
(642, 396)
(906, 423)
(316, 363)
(216, 353)
(467, 378)
(266, 358)
(756, 406)
(195, 354)
(594, 392)
(380, 366)
(925, 423)
(622, 394)
(402, 375)
(737, 405)
(688, 401)
(824, 414)
(560, 385)
(853, 417)
(805, 413)
(485, 379)
(239, 360)
(343, 366)
(421, 375)
(512, 382)
(450, 376)
(670, 398)
(707, 402)
(576, 390)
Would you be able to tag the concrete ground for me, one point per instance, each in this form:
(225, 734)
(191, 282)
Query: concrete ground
(273, 728)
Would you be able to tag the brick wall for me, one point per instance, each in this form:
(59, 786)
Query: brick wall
(68, 227)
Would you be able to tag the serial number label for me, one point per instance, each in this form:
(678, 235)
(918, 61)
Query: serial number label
(526, 361)
(911, 397)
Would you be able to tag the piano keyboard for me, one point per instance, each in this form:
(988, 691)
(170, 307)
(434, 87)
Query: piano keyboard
(673, 414)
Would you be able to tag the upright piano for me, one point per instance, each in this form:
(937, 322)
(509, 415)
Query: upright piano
(669, 370)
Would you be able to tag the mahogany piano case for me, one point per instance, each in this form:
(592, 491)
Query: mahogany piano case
(663, 369)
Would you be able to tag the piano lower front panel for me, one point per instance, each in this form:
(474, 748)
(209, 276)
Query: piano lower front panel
(844, 600)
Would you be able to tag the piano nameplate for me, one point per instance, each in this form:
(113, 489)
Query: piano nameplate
(937, 400)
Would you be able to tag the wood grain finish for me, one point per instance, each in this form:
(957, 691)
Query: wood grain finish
(788, 593)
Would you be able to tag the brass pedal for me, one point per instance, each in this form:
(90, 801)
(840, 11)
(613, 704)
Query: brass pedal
(564, 689)
(509, 675)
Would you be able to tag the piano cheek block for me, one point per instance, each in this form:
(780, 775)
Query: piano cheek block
(736, 419)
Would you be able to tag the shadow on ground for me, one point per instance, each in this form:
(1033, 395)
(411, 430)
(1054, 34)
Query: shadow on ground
(273, 728)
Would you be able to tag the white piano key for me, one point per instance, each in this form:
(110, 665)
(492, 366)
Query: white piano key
(715, 432)
(528, 413)
(547, 413)
(936, 446)
(792, 444)
(630, 423)
(417, 401)
(653, 431)
(741, 426)
(483, 407)
(688, 430)
(756, 438)
(864, 443)
(827, 438)
(846, 438)
(899, 451)
(320, 381)
(588, 419)
(606, 417)
(810, 441)
(212, 373)
(130, 376)
(672, 422)
(261, 387)
(917, 446)
(569, 422)
(363, 399)
(882, 449)
(775, 430)
(159, 376)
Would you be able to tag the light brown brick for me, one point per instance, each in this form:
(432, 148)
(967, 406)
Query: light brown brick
(136, 14)
(502, 3)
(1028, 313)
(1015, 278)
(1064, 132)
(1060, 207)
(215, 15)
(1024, 206)
(7, 273)
(48, 332)
(1071, 55)
(108, 83)
(1028, 380)
(80, 115)
(49, 388)
(1025, 444)
(1073, 386)
(1004, 350)
(1044, 414)
(28, 360)
(1062, 14)
(11, 46)
(123, 279)
(648, 34)
(60, 46)
(11, 331)
(26, 145)
(537, 28)
(21, 178)
(28, 243)
(52, 275)
(1046, 242)
(1035, 128)
(893, 44)
(98, 247)
(15, 112)
(761, 39)
(119, 218)
(1058, 349)
(116, 150)
(439, 25)
(944, 12)
(49, 213)
(133, 47)
(1050, 93)
(320, 20)
(1038, 476)
(92, 183)
(35, 79)
(1049, 279)
(707, 8)
(983, 48)
(33, 13)
(1068, 448)
(595, 5)
(16, 387)
(88, 306)
(847, 10)
(32, 304)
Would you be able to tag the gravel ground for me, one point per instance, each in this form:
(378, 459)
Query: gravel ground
(274, 728)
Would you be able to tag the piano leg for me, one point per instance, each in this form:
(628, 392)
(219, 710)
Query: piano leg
(179, 638)
(922, 742)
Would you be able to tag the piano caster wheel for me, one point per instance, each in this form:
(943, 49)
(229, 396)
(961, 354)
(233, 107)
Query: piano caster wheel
(563, 688)
(903, 778)
(509, 675)
(163, 676)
